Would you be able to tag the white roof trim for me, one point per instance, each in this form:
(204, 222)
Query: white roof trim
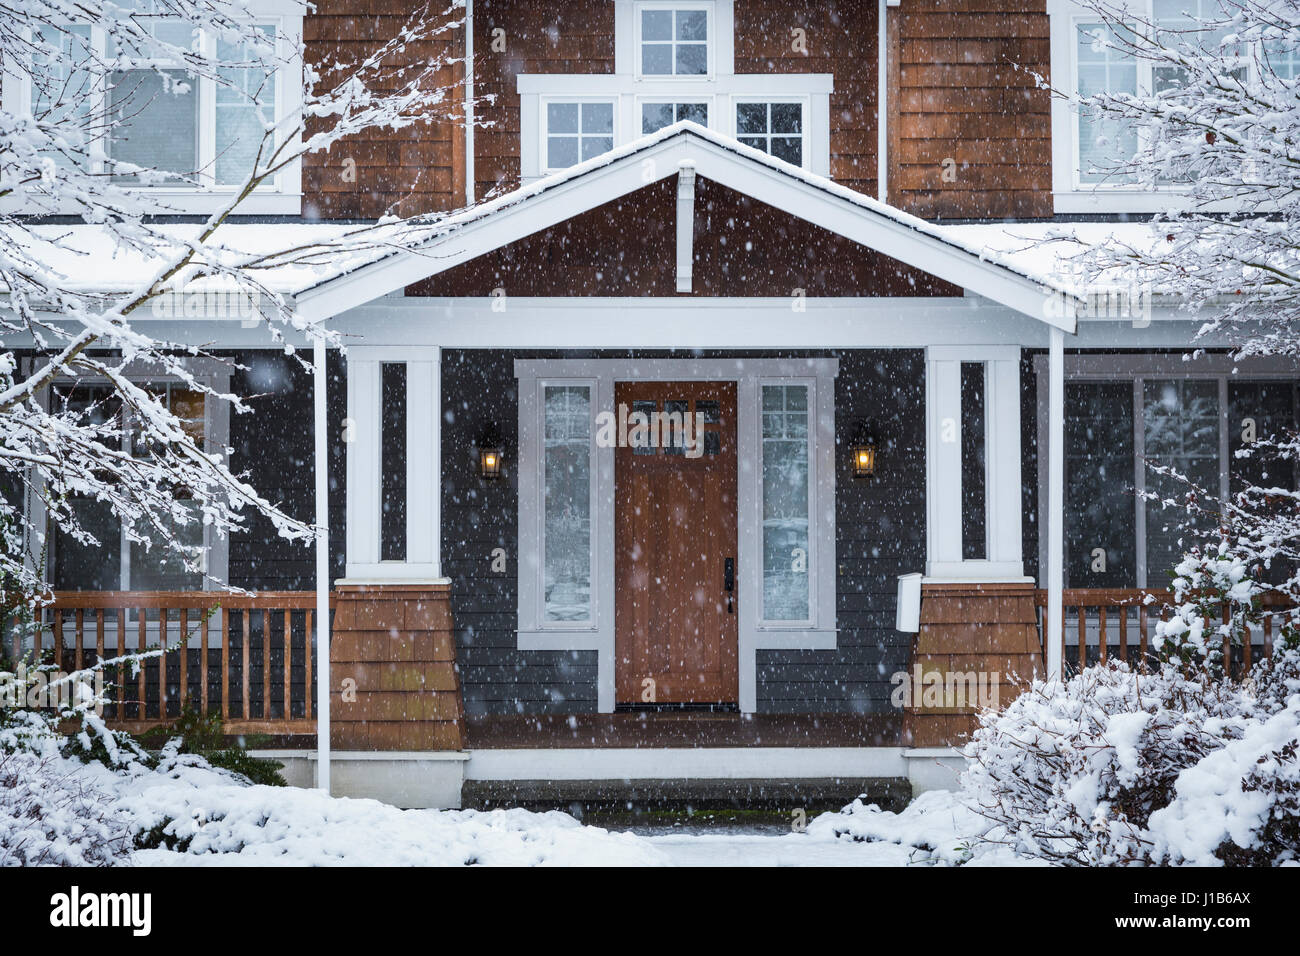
(610, 176)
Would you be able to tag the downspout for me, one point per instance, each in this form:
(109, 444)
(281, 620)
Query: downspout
(469, 102)
(882, 106)
(882, 98)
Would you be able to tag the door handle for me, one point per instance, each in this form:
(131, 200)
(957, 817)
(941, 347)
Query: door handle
(729, 582)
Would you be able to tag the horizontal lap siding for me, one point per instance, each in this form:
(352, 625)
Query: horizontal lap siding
(478, 516)
(416, 169)
(880, 534)
(841, 41)
(961, 97)
(274, 450)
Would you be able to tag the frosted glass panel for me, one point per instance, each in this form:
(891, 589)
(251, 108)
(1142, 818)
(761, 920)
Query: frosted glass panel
(1103, 143)
(567, 515)
(239, 125)
(785, 503)
(157, 122)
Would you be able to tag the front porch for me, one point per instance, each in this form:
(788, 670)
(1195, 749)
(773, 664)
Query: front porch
(250, 658)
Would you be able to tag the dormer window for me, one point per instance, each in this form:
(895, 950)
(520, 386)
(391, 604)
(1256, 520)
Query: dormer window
(656, 115)
(673, 40)
(674, 61)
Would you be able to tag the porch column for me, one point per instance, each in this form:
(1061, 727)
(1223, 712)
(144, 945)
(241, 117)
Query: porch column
(1055, 502)
(395, 687)
(322, 571)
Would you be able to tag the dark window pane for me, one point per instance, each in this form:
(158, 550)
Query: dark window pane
(751, 118)
(692, 59)
(974, 522)
(1181, 429)
(695, 112)
(392, 515)
(85, 567)
(1257, 411)
(655, 116)
(790, 150)
(787, 118)
(1099, 500)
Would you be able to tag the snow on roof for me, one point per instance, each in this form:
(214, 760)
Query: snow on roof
(943, 234)
(1049, 249)
(92, 261)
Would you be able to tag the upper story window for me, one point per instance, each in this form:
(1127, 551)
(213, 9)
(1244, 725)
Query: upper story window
(159, 116)
(656, 115)
(775, 128)
(673, 40)
(577, 130)
(1087, 58)
(674, 61)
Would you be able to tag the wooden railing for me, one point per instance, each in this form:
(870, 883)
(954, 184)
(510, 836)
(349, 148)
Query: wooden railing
(250, 657)
(1106, 622)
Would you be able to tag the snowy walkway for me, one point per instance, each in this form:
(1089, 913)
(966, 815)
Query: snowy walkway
(791, 849)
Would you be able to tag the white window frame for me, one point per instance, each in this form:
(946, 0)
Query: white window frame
(720, 89)
(216, 435)
(805, 105)
(1136, 369)
(282, 197)
(754, 634)
(543, 130)
(943, 460)
(1070, 194)
(711, 42)
(364, 425)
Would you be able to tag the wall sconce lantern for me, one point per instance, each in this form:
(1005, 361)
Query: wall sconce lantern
(863, 452)
(490, 455)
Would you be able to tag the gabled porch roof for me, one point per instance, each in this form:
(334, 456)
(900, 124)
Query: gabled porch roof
(719, 158)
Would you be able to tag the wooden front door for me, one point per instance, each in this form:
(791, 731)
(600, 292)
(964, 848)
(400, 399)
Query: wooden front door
(675, 543)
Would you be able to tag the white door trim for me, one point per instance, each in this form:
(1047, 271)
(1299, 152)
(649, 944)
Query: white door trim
(753, 635)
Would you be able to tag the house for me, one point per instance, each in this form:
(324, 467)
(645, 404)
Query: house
(733, 438)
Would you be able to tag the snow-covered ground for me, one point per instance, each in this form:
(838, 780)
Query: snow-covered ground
(200, 816)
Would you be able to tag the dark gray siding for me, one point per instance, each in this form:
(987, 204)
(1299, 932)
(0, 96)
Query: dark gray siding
(274, 451)
(1029, 461)
(880, 534)
(479, 516)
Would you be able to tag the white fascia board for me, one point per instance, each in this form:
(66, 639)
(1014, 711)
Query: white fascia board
(890, 237)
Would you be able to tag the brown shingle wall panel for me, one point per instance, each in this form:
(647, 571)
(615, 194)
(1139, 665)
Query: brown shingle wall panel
(966, 88)
(381, 176)
(628, 247)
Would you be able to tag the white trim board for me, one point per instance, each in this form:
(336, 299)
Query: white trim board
(693, 763)
(598, 633)
(719, 158)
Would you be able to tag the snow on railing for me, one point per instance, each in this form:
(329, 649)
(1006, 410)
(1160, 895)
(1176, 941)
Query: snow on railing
(1103, 621)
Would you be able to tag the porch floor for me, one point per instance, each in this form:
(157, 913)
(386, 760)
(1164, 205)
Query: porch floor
(689, 729)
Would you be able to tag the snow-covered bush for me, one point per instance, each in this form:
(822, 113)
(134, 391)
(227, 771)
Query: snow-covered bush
(54, 814)
(1216, 603)
(1073, 771)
